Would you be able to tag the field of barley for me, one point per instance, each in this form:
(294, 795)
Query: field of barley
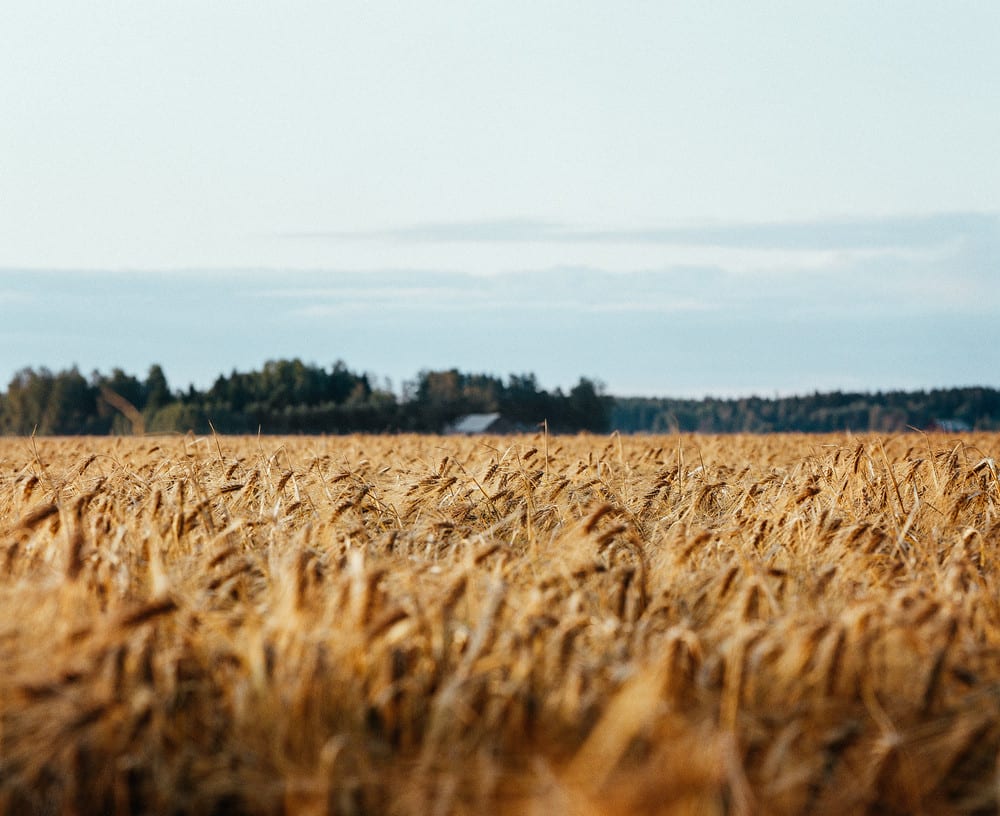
(511, 625)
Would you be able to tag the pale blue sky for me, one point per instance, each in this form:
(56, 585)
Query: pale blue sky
(671, 197)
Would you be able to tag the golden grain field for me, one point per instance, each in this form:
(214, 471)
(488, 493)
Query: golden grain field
(525, 625)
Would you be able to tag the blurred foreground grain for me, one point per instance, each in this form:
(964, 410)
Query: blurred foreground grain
(570, 625)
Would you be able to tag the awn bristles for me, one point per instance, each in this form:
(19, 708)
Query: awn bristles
(409, 625)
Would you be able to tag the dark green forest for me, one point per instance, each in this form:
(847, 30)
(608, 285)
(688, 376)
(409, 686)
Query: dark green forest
(951, 409)
(289, 396)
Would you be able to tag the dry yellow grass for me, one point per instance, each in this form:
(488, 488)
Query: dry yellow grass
(420, 625)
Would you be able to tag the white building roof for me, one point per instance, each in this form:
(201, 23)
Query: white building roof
(474, 423)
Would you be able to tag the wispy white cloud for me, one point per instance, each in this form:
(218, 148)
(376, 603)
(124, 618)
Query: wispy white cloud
(920, 315)
(568, 290)
(834, 234)
(956, 277)
(490, 248)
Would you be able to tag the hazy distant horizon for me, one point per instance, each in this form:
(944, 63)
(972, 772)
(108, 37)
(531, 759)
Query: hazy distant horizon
(887, 316)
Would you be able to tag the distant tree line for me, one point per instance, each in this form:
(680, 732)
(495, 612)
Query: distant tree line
(885, 412)
(287, 396)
